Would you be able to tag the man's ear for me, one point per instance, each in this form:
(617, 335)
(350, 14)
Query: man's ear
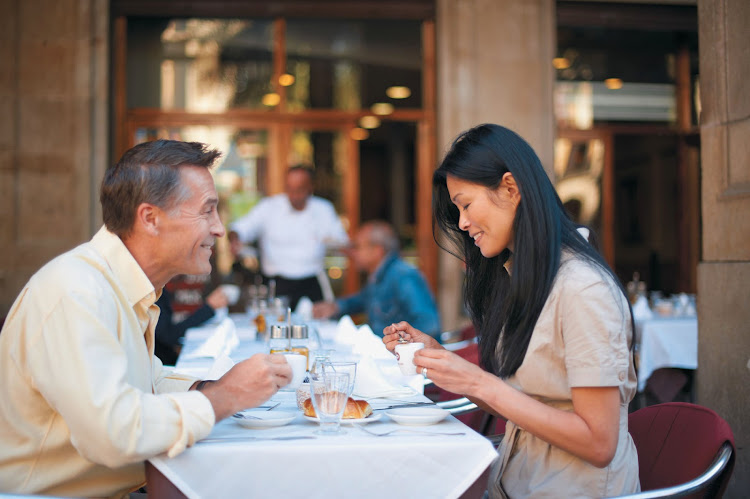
(147, 217)
(509, 185)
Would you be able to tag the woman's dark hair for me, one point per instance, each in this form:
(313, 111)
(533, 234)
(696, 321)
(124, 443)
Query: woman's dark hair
(499, 302)
(148, 173)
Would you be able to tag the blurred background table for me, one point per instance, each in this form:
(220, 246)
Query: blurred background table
(665, 342)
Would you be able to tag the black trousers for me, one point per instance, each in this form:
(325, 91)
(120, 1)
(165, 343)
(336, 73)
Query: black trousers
(297, 288)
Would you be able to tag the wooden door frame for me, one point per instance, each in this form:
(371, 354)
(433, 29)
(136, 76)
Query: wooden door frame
(280, 124)
(607, 203)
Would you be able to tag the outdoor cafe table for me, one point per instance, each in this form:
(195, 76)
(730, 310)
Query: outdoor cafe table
(353, 464)
(665, 342)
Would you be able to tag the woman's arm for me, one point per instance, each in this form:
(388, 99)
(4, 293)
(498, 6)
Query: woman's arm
(589, 432)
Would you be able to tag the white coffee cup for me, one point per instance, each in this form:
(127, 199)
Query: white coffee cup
(405, 357)
(298, 363)
(232, 292)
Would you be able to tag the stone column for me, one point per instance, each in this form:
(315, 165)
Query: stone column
(53, 135)
(724, 271)
(494, 63)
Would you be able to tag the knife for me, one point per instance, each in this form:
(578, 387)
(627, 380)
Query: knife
(407, 404)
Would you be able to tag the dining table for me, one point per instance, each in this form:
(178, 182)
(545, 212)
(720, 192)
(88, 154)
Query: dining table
(372, 457)
(669, 341)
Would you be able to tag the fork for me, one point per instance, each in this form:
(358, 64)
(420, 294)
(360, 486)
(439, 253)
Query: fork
(405, 430)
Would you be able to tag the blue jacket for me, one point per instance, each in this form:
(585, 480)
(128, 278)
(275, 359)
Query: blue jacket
(397, 292)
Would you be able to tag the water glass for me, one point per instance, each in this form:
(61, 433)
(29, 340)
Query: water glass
(349, 368)
(328, 394)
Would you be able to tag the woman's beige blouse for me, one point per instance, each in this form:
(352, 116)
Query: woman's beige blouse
(581, 339)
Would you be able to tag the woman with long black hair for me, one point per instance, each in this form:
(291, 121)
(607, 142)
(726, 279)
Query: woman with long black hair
(554, 324)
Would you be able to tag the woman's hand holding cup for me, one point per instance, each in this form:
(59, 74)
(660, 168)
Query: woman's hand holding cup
(403, 332)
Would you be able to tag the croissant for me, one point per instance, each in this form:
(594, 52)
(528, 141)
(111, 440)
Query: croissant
(355, 409)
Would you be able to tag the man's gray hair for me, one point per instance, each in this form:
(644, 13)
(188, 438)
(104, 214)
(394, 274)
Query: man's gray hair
(383, 234)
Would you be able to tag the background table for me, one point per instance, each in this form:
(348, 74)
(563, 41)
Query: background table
(665, 342)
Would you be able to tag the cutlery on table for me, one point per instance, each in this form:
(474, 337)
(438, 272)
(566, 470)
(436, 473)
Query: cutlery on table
(405, 404)
(245, 415)
(250, 439)
(407, 430)
(240, 415)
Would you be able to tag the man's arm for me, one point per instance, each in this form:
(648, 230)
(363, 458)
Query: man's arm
(353, 304)
(248, 227)
(248, 384)
(89, 364)
(334, 233)
(417, 300)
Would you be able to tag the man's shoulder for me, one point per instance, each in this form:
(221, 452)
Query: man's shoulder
(398, 268)
(320, 203)
(74, 267)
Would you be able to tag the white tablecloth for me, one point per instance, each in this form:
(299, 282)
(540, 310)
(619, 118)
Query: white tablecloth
(666, 342)
(354, 464)
(351, 465)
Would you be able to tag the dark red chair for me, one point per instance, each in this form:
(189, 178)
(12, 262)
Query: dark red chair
(684, 450)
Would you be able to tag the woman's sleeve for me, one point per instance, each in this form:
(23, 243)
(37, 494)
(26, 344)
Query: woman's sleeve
(596, 331)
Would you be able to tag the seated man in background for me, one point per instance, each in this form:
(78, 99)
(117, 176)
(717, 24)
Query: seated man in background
(84, 400)
(395, 290)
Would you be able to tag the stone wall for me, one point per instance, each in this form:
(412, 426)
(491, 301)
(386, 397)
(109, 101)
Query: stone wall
(723, 377)
(53, 135)
(494, 65)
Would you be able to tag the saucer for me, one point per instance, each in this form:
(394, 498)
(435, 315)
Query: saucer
(369, 419)
(417, 415)
(266, 419)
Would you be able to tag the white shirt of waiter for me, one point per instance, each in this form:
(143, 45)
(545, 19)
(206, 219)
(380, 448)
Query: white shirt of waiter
(292, 242)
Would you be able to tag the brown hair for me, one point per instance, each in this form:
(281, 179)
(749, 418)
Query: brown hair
(148, 173)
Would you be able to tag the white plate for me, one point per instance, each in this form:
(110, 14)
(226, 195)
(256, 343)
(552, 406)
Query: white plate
(267, 418)
(417, 415)
(369, 419)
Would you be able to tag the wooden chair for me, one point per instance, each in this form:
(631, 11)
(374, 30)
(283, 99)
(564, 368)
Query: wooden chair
(684, 450)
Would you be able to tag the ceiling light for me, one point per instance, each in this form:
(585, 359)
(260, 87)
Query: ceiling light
(286, 80)
(271, 99)
(359, 134)
(369, 122)
(613, 83)
(398, 92)
(561, 63)
(382, 108)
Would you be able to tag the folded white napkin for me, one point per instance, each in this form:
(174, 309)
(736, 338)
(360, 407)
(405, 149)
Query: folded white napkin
(222, 341)
(346, 331)
(221, 365)
(368, 344)
(371, 382)
(641, 310)
(304, 309)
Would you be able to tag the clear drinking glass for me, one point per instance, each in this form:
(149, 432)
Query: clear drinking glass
(318, 358)
(348, 367)
(328, 393)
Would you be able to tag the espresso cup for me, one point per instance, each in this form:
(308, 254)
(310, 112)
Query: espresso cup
(405, 357)
(298, 363)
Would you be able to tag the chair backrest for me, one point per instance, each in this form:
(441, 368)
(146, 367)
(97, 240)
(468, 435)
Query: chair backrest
(677, 442)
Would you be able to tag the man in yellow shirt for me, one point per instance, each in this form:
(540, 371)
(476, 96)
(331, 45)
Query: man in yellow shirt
(84, 400)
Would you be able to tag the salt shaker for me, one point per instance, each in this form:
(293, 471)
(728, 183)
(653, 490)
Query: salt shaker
(279, 339)
(300, 341)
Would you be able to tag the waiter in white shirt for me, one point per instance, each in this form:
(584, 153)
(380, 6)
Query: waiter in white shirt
(293, 229)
